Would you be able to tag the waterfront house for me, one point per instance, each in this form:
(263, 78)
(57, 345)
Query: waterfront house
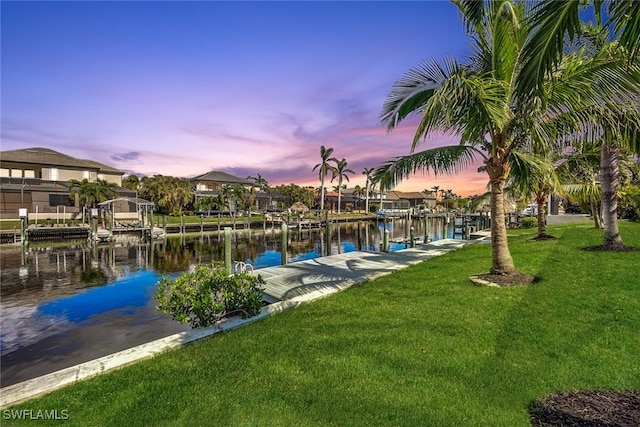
(37, 179)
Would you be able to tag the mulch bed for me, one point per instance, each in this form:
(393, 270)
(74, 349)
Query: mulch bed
(587, 409)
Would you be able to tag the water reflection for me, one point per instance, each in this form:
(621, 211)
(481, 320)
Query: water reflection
(66, 304)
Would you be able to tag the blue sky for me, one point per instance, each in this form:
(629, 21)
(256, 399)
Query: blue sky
(181, 88)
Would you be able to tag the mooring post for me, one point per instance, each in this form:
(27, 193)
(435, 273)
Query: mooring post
(227, 249)
(426, 228)
(411, 234)
(201, 225)
(385, 243)
(283, 249)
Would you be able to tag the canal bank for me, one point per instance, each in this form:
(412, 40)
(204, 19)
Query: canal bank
(291, 285)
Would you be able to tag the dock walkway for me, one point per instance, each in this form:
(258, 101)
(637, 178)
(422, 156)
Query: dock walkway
(287, 286)
(335, 272)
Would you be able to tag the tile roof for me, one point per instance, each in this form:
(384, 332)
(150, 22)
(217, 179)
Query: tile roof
(48, 157)
(223, 177)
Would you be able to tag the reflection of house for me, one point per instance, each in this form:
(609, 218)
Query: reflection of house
(37, 179)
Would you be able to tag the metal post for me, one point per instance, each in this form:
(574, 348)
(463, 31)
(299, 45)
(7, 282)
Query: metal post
(227, 249)
(283, 247)
(426, 228)
(385, 244)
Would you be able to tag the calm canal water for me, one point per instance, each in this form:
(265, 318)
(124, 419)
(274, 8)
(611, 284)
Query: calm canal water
(67, 304)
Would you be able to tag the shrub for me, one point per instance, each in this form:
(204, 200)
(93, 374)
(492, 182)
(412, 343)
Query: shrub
(528, 222)
(373, 207)
(208, 295)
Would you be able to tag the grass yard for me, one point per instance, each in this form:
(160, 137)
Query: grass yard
(419, 347)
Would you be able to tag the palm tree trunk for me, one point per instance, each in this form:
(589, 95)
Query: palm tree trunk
(609, 178)
(502, 263)
(322, 193)
(339, 197)
(542, 225)
(595, 213)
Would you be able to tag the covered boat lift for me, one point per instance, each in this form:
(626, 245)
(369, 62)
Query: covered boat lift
(143, 208)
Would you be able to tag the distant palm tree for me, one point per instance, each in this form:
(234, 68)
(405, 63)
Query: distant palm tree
(260, 181)
(358, 192)
(341, 172)
(131, 182)
(91, 193)
(435, 189)
(324, 167)
(367, 172)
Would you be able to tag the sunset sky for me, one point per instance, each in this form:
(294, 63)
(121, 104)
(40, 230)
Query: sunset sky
(182, 88)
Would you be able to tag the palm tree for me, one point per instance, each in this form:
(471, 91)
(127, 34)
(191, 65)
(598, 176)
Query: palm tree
(341, 172)
(485, 103)
(91, 193)
(260, 182)
(553, 22)
(324, 167)
(131, 182)
(358, 192)
(535, 183)
(367, 172)
(435, 189)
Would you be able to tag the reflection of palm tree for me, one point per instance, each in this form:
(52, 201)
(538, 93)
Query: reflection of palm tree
(341, 172)
(324, 167)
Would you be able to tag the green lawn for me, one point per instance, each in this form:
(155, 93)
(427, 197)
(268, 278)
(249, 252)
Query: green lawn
(419, 347)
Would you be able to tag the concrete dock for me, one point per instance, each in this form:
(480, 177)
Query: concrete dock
(287, 286)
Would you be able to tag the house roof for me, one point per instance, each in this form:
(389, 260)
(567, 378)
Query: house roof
(223, 177)
(48, 157)
(402, 195)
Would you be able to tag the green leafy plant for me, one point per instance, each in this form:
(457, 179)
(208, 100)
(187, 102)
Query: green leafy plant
(208, 295)
(528, 222)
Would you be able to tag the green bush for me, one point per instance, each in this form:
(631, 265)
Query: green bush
(373, 207)
(528, 222)
(208, 295)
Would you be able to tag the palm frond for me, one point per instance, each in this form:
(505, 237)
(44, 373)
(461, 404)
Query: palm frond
(442, 160)
(626, 16)
(551, 20)
(409, 94)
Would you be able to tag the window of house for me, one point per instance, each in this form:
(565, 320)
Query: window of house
(85, 174)
(4, 173)
(54, 175)
(60, 200)
(16, 173)
(28, 173)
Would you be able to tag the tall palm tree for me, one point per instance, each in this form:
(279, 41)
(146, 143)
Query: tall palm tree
(324, 167)
(553, 22)
(485, 104)
(341, 172)
(367, 172)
